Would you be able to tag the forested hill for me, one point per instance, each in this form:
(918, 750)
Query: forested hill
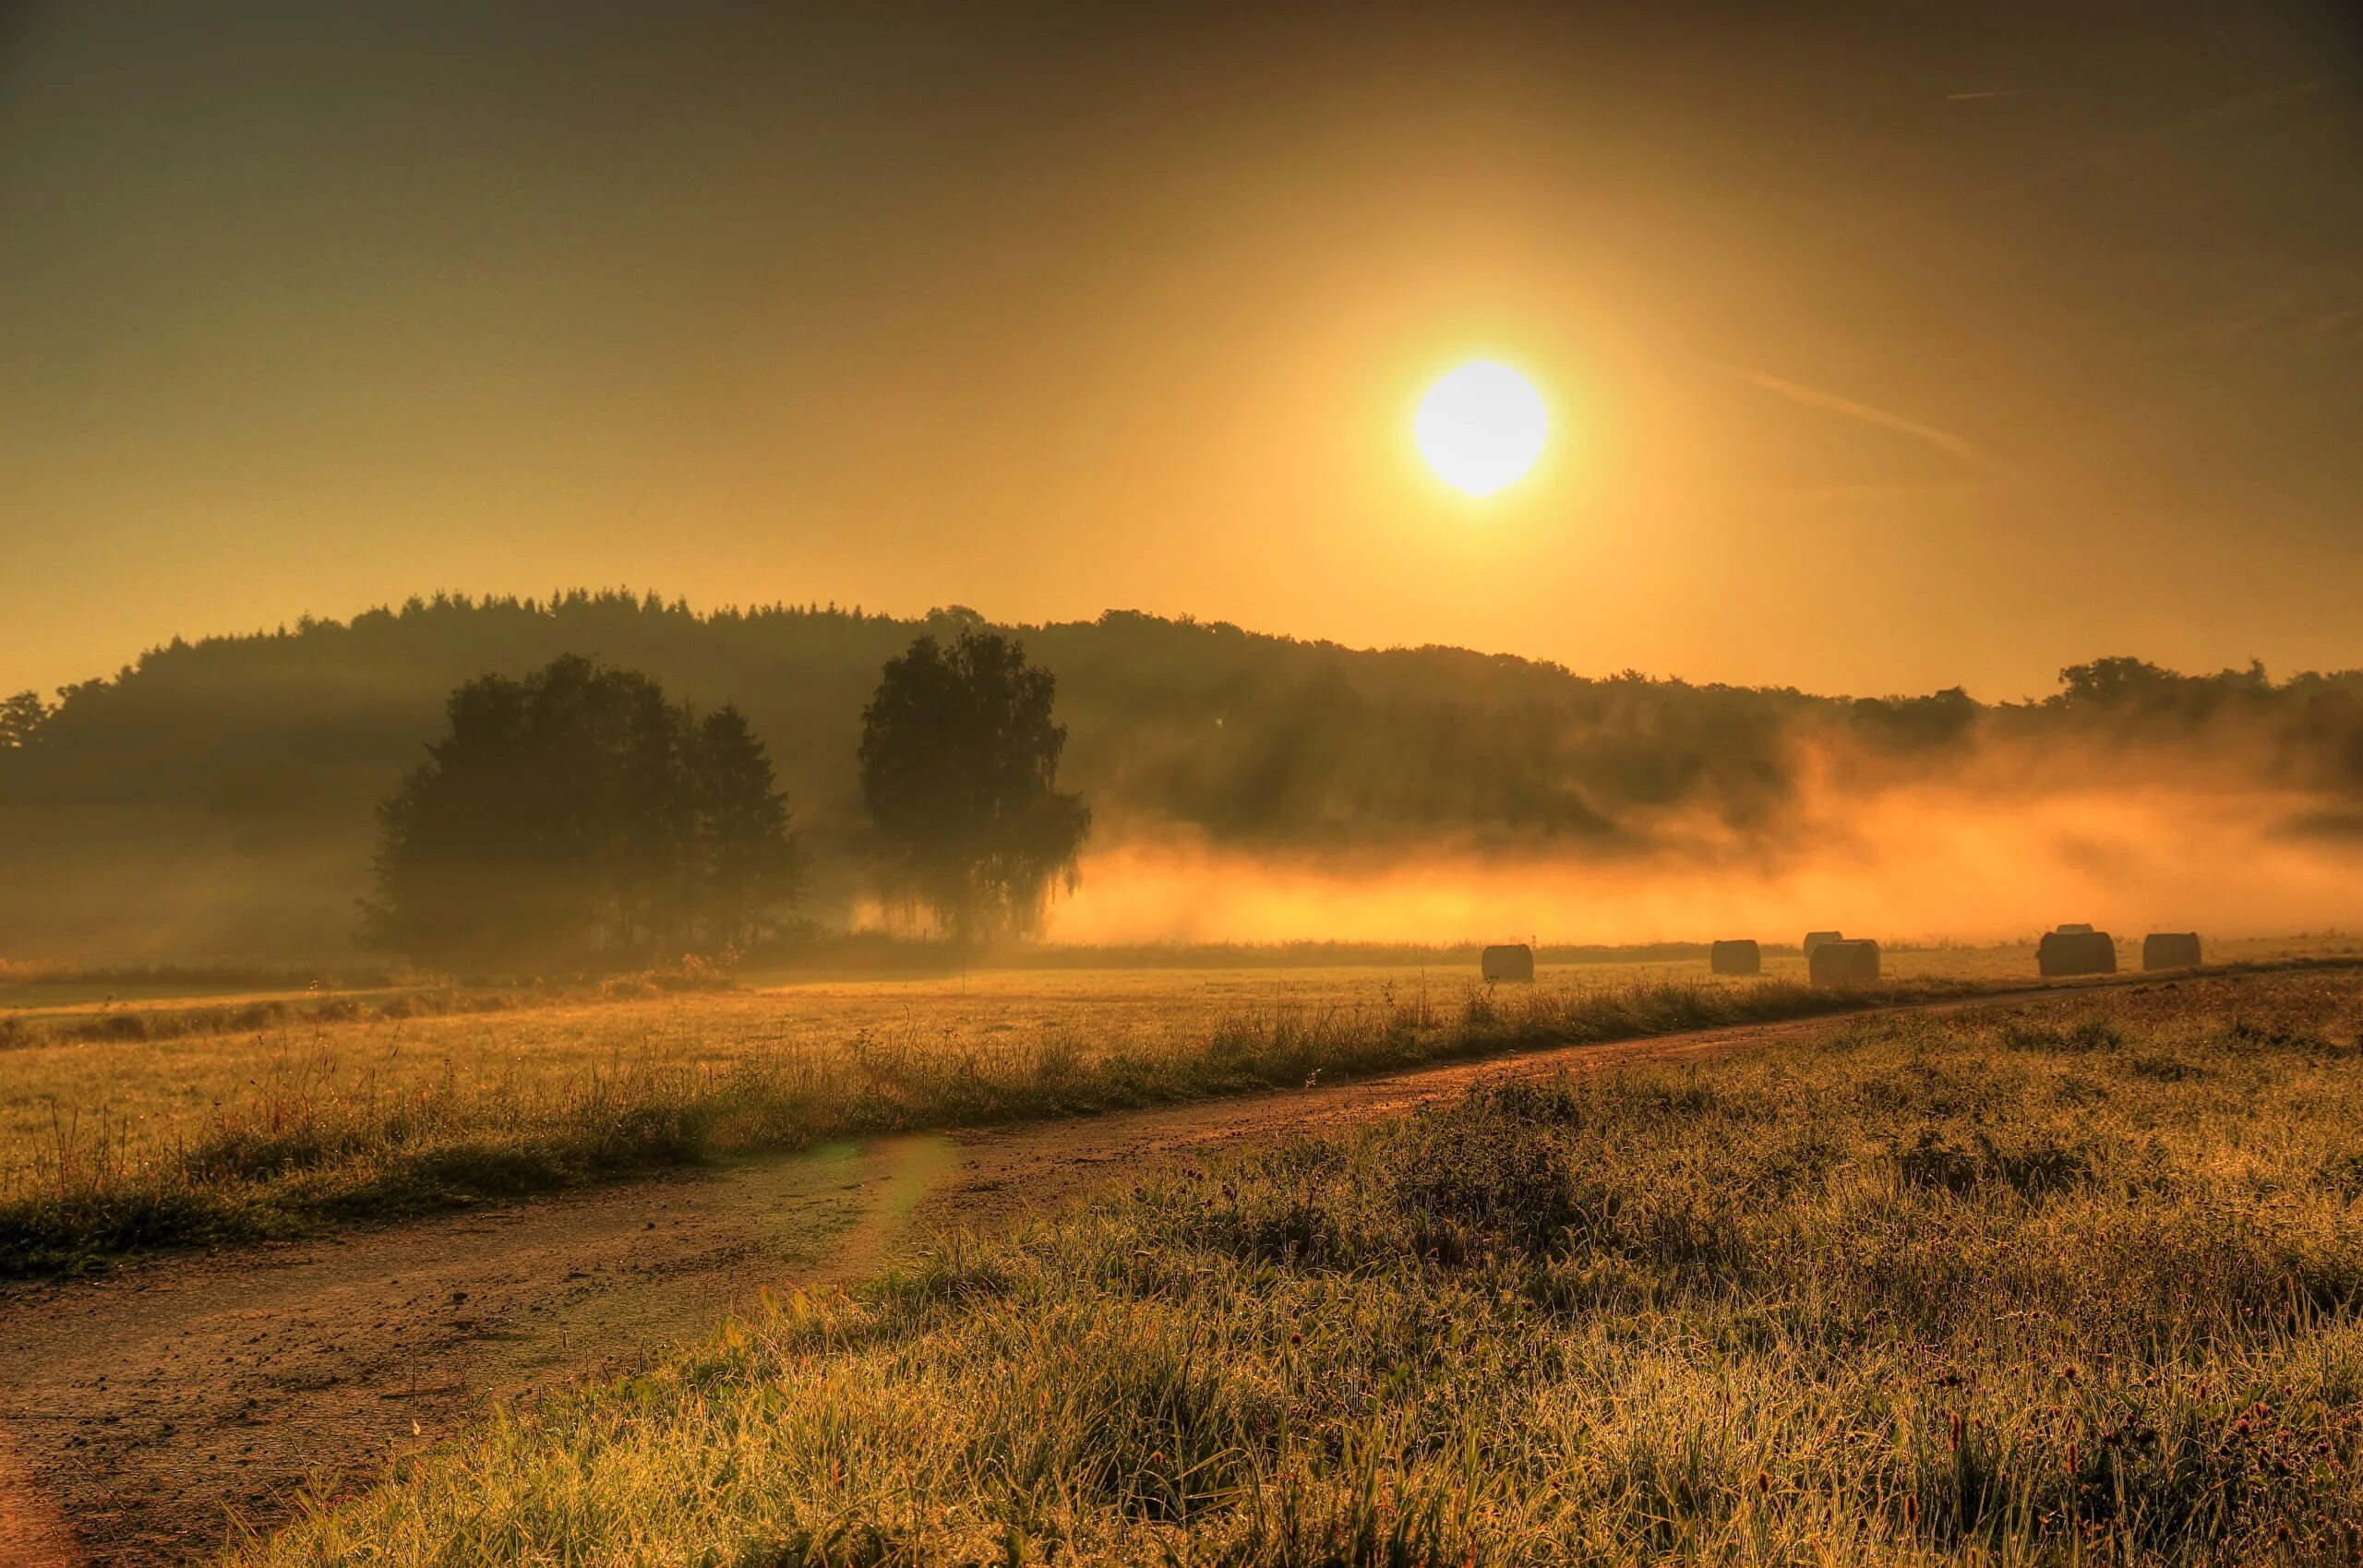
(217, 798)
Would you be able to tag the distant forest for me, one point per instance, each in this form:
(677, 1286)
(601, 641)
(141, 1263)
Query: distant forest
(216, 798)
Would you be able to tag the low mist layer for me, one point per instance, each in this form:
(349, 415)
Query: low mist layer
(217, 801)
(1922, 861)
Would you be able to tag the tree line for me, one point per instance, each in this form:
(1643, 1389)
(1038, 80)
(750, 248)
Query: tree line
(577, 816)
(216, 797)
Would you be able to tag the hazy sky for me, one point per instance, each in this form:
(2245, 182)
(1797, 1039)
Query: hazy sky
(1888, 347)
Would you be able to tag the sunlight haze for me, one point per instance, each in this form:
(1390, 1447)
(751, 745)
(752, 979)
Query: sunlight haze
(1887, 380)
(1483, 783)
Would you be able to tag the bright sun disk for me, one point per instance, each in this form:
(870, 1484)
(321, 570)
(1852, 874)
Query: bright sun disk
(1482, 428)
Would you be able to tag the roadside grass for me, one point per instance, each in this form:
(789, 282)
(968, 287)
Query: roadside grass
(2074, 1282)
(294, 1142)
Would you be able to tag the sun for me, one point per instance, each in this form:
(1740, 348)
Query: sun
(1482, 428)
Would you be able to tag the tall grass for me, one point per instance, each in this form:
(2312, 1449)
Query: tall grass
(2079, 1285)
(301, 1147)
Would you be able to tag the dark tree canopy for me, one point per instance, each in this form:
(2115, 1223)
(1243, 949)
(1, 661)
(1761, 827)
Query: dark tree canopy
(240, 774)
(21, 717)
(959, 769)
(747, 862)
(576, 817)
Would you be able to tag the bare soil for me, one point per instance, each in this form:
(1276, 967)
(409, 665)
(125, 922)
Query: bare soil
(148, 1414)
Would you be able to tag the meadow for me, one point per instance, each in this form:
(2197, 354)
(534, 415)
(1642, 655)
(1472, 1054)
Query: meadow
(344, 1114)
(2075, 1279)
(129, 1126)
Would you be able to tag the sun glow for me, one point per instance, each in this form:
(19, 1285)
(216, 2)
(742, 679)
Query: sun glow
(1482, 428)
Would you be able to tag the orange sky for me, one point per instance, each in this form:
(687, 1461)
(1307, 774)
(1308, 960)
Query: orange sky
(1887, 350)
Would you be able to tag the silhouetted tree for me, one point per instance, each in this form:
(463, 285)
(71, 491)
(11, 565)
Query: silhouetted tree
(20, 719)
(281, 742)
(959, 769)
(749, 861)
(654, 824)
(570, 816)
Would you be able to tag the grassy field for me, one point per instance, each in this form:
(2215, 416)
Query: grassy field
(128, 1128)
(2078, 1282)
(120, 1145)
(40, 1001)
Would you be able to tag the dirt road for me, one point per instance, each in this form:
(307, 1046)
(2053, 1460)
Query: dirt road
(139, 1412)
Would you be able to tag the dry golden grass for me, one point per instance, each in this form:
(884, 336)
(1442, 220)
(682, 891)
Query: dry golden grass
(172, 1136)
(155, 1085)
(2080, 1282)
(137, 1128)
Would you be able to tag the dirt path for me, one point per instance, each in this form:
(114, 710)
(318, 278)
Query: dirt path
(138, 1411)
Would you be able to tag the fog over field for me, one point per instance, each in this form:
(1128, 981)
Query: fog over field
(1926, 860)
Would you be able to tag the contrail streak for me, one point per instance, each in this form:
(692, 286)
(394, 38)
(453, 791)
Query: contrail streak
(1813, 396)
